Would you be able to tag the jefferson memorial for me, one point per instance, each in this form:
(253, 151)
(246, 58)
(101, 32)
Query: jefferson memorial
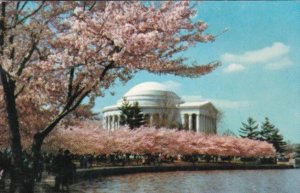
(161, 106)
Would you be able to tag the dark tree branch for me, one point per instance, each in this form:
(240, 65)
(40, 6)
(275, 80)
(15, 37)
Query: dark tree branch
(105, 70)
(92, 6)
(23, 6)
(26, 59)
(84, 5)
(29, 15)
(44, 133)
(72, 99)
(41, 57)
(70, 86)
(16, 14)
(12, 52)
(20, 91)
(79, 101)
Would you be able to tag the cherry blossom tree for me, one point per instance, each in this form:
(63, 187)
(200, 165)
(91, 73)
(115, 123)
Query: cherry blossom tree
(93, 50)
(54, 57)
(146, 140)
(25, 30)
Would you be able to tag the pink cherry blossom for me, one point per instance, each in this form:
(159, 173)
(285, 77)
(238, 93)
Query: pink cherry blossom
(152, 140)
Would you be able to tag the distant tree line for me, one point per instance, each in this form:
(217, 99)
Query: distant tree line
(267, 132)
(132, 116)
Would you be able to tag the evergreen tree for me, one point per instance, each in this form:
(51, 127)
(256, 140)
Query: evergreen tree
(267, 129)
(297, 151)
(131, 114)
(137, 116)
(278, 141)
(271, 134)
(125, 112)
(249, 129)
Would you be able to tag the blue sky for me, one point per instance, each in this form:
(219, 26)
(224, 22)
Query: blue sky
(260, 72)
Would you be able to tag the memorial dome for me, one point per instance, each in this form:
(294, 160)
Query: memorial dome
(152, 94)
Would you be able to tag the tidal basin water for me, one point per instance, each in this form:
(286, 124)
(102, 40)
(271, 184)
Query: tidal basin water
(229, 181)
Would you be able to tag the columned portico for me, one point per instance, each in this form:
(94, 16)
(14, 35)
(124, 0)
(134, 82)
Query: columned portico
(192, 122)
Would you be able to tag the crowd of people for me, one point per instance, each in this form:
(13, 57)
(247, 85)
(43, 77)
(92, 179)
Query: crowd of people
(64, 169)
(120, 159)
(62, 164)
(5, 159)
(59, 165)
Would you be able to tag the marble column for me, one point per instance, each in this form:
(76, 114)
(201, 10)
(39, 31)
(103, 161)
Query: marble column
(205, 124)
(215, 125)
(113, 122)
(117, 122)
(202, 123)
(210, 125)
(182, 120)
(151, 120)
(103, 122)
(197, 123)
(109, 122)
(190, 121)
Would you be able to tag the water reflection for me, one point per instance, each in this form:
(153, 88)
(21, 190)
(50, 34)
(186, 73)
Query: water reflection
(238, 181)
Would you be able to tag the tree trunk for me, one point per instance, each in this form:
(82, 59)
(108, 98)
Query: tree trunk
(37, 143)
(36, 152)
(36, 156)
(17, 174)
(12, 115)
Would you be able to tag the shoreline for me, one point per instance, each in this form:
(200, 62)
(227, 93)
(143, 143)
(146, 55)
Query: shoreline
(99, 172)
(92, 173)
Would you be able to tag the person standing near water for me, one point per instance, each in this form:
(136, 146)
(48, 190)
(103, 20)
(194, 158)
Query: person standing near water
(64, 169)
(68, 169)
(57, 168)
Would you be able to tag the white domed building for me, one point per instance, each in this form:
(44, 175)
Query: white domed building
(162, 107)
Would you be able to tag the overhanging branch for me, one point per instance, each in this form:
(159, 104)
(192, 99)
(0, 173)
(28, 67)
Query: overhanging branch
(27, 16)
(26, 59)
(44, 133)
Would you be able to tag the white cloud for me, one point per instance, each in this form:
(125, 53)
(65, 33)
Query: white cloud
(220, 103)
(234, 68)
(272, 57)
(265, 54)
(230, 104)
(283, 63)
